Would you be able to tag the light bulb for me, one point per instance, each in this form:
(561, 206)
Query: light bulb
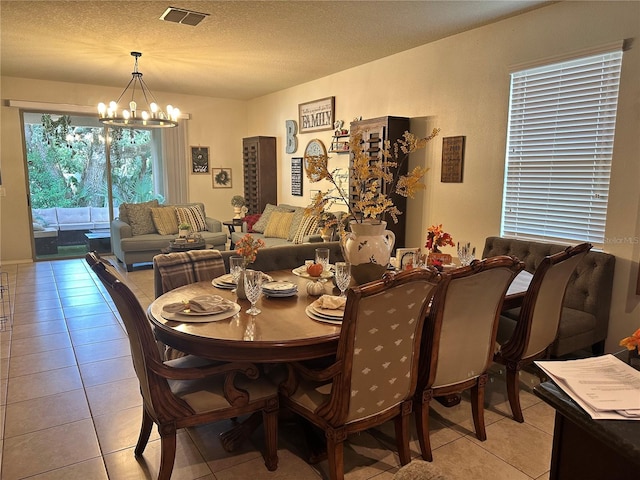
(125, 114)
(113, 106)
(175, 113)
(169, 109)
(132, 106)
(145, 115)
(154, 107)
(102, 108)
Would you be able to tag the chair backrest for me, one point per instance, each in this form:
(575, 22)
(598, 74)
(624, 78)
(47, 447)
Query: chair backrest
(541, 309)
(155, 391)
(463, 321)
(379, 345)
(173, 270)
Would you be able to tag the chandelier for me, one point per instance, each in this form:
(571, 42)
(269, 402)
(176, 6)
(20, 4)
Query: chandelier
(151, 116)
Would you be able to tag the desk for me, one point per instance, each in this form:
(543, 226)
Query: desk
(589, 449)
(281, 333)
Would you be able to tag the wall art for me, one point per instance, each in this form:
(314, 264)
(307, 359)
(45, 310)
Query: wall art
(452, 159)
(296, 176)
(200, 160)
(317, 115)
(221, 177)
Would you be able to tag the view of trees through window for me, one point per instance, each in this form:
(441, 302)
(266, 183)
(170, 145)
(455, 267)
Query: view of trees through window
(68, 163)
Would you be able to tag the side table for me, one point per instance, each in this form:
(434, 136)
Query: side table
(232, 224)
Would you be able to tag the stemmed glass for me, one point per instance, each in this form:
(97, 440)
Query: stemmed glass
(322, 257)
(235, 268)
(253, 289)
(343, 276)
(466, 254)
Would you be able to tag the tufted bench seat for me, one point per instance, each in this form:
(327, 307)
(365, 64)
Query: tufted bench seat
(585, 315)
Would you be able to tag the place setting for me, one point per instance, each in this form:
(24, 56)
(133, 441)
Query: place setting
(279, 288)
(200, 309)
(327, 309)
(225, 282)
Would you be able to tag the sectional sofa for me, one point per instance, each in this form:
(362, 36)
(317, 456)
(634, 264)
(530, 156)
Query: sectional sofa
(65, 226)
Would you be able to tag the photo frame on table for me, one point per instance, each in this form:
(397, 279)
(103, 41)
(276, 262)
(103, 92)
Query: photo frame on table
(200, 160)
(452, 159)
(221, 177)
(317, 115)
(296, 176)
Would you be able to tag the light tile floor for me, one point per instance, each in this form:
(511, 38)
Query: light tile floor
(70, 406)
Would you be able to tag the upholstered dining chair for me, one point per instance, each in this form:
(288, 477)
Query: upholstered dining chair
(528, 336)
(459, 338)
(374, 376)
(186, 392)
(173, 270)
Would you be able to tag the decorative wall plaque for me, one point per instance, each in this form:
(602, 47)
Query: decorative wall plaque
(200, 160)
(296, 176)
(452, 159)
(317, 115)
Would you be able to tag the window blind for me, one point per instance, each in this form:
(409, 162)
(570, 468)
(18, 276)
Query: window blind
(559, 148)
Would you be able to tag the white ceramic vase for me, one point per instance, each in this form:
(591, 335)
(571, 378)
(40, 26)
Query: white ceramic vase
(367, 247)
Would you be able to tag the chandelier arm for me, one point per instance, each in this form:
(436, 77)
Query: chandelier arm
(145, 90)
(125, 90)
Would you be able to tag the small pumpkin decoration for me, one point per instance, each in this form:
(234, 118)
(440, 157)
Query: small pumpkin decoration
(315, 288)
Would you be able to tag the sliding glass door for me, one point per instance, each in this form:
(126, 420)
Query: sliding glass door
(78, 173)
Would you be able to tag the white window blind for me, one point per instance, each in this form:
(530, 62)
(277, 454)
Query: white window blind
(559, 148)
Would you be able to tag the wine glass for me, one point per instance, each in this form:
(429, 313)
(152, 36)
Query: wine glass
(253, 289)
(466, 253)
(343, 276)
(322, 257)
(235, 268)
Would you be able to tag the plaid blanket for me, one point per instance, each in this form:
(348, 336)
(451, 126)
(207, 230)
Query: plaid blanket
(182, 268)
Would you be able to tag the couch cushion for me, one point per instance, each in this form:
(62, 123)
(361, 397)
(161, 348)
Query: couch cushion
(45, 216)
(165, 220)
(308, 226)
(140, 219)
(279, 224)
(123, 213)
(99, 214)
(192, 215)
(298, 216)
(73, 215)
(261, 224)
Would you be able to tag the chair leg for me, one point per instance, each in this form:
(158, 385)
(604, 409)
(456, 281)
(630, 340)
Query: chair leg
(145, 431)
(270, 421)
(513, 391)
(477, 406)
(422, 425)
(402, 434)
(167, 453)
(335, 453)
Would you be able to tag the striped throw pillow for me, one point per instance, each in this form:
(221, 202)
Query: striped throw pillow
(193, 216)
(279, 224)
(308, 226)
(165, 220)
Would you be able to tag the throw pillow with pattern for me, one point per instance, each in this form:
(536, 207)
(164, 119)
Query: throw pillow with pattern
(193, 216)
(279, 224)
(140, 218)
(165, 219)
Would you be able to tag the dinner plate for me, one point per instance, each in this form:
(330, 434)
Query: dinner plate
(200, 318)
(312, 315)
(280, 294)
(279, 286)
(302, 272)
(327, 312)
(225, 286)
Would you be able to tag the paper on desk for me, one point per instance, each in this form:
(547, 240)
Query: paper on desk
(605, 387)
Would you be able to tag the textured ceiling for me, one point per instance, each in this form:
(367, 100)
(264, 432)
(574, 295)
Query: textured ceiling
(242, 50)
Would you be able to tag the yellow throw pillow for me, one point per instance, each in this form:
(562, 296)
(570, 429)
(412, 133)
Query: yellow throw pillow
(165, 220)
(308, 226)
(279, 224)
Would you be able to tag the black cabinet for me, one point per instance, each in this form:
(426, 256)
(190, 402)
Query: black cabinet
(259, 172)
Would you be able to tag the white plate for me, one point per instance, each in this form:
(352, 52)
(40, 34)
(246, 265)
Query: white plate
(280, 294)
(302, 272)
(226, 278)
(200, 318)
(327, 312)
(225, 286)
(312, 315)
(279, 286)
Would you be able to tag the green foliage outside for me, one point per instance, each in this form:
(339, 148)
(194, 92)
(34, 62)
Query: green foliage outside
(67, 165)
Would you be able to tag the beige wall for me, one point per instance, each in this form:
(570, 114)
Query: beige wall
(460, 84)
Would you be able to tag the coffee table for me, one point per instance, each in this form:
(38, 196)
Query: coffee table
(98, 242)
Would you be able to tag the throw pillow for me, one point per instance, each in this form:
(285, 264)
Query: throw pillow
(140, 218)
(122, 209)
(37, 227)
(250, 220)
(279, 224)
(261, 224)
(165, 219)
(193, 216)
(308, 226)
(298, 216)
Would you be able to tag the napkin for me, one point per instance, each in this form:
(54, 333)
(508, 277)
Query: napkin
(202, 304)
(331, 302)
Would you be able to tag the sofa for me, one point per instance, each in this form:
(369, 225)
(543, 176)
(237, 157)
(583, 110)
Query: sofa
(585, 315)
(65, 226)
(281, 225)
(143, 230)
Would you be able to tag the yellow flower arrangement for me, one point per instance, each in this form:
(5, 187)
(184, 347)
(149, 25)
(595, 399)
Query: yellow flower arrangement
(247, 247)
(367, 177)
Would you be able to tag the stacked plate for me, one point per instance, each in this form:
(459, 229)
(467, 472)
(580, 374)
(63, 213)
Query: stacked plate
(324, 314)
(279, 289)
(224, 281)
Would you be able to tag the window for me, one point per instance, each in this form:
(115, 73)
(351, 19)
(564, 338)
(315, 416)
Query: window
(559, 147)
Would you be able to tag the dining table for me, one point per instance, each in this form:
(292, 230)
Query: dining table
(283, 332)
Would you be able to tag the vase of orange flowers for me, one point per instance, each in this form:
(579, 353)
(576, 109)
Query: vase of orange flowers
(632, 344)
(247, 247)
(436, 238)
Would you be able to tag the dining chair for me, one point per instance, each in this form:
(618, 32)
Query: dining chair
(187, 391)
(173, 270)
(459, 338)
(374, 375)
(528, 336)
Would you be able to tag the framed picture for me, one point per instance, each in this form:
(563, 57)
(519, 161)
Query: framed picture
(317, 115)
(296, 176)
(200, 160)
(452, 159)
(221, 177)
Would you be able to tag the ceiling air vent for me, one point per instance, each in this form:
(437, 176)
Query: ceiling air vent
(180, 15)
